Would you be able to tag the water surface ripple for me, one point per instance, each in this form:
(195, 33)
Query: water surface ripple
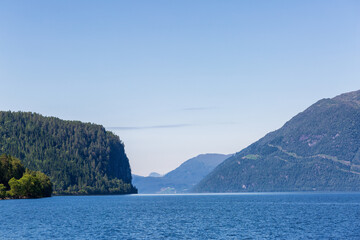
(229, 216)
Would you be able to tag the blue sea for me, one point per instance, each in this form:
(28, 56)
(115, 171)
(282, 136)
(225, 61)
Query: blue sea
(210, 216)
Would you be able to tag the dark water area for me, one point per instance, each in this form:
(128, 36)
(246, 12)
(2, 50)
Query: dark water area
(231, 216)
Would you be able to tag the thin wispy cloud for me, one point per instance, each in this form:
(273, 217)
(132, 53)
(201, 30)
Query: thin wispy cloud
(168, 126)
(149, 127)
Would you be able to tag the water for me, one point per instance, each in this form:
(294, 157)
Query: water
(234, 216)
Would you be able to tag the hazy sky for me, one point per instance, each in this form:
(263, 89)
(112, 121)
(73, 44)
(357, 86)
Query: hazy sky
(177, 78)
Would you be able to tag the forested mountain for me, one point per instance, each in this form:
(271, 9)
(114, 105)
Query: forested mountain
(319, 149)
(181, 179)
(18, 182)
(80, 158)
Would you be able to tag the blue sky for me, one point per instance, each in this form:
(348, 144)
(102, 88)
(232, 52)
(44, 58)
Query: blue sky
(175, 79)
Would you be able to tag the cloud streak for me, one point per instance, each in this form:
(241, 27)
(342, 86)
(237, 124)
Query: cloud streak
(150, 127)
(168, 126)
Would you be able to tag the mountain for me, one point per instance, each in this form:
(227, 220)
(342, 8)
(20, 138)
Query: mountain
(182, 178)
(155, 174)
(318, 149)
(79, 158)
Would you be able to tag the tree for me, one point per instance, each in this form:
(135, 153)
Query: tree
(16, 189)
(2, 191)
(23, 183)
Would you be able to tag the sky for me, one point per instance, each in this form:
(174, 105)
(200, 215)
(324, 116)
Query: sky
(174, 79)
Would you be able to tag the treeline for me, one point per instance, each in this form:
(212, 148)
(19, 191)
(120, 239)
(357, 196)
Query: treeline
(18, 182)
(79, 158)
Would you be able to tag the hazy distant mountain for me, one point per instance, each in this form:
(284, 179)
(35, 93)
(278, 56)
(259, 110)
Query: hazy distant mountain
(319, 149)
(182, 178)
(155, 174)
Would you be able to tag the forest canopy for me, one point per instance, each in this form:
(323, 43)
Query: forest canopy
(79, 158)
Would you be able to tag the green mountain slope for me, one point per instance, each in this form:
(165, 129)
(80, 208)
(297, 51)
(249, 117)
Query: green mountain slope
(319, 149)
(181, 179)
(79, 158)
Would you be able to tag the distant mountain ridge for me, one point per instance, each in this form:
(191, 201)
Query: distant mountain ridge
(318, 149)
(154, 174)
(181, 179)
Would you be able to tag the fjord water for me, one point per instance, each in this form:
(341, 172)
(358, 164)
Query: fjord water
(227, 216)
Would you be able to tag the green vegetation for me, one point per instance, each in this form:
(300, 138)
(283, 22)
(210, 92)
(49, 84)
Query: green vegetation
(79, 158)
(319, 149)
(252, 156)
(18, 182)
(2, 191)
